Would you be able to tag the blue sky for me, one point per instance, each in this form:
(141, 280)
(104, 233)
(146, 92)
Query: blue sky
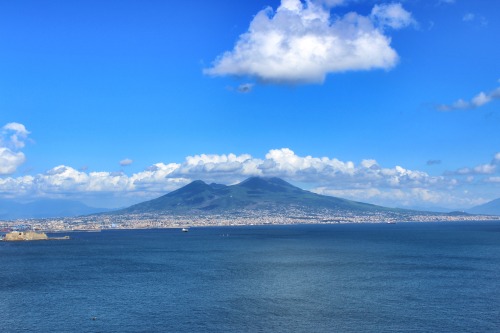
(115, 102)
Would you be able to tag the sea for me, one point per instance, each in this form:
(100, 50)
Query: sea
(404, 277)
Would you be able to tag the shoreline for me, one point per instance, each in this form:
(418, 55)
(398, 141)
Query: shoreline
(93, 224)
(277, 225)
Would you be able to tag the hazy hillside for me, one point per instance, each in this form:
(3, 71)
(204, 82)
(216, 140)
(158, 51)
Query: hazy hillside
(489, 208)
(11, 210)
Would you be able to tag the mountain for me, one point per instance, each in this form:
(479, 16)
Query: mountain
(489, 208)
(13, 210)
(254, 193)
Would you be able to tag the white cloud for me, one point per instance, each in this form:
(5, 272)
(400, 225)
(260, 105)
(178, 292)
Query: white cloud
(492, 180)
(67, 180)
(471, 17)
(10, 161)
(485, 169)
(468, 17)
(158, 178)
(12, 138)
(366, 180)
(229, 168)
(126, 161)
(481, 169)
(301, 43)
(226, 168)
(331, 3)
(368, 164)
(17, 187)
(14, 135)
(245, 88)
(392, 15)
(416, 197)
(479, 100)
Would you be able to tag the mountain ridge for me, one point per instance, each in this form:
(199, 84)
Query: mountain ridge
(490, 208)
(253, 193)
(45, 208)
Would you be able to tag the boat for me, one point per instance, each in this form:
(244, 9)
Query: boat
(185, 229)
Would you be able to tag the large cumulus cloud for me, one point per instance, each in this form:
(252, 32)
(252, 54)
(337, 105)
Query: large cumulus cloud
(301, 42)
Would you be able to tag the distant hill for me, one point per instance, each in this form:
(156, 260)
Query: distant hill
(12, 210)
(254, 193)
(436, 209)
(489, 208)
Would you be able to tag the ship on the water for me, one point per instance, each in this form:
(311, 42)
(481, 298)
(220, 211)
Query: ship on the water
(18, 236)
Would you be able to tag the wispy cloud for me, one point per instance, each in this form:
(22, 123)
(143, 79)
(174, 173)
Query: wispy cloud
(471, 18)
(433, 162)
(392, 15)
(245, 88)
(495, 180)
(301, 43)
(126, 162)
(477, 101)
(468, 17)
(481, 169)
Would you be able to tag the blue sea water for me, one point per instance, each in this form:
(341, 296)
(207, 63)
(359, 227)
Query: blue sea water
(405, 277)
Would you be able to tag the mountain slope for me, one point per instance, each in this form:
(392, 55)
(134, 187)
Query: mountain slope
(489, 208)
(254, 193)
(12, 210)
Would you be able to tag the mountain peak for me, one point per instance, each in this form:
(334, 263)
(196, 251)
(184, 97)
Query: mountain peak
(195, 184)
(271, 184)
(492, 207)
(265, 180)
(255, 193)
(193, 187)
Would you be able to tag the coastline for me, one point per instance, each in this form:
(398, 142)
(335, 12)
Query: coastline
(184, 222)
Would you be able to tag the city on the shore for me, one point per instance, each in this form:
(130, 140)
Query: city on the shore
(241, 218)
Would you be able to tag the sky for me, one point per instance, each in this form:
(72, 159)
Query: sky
(116, 102)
